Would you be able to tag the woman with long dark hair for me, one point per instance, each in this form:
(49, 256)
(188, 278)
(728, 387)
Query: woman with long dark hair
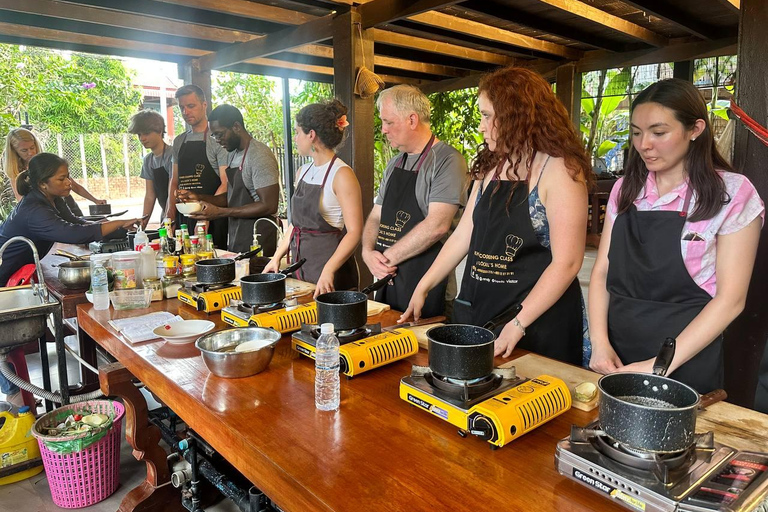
(678, 245)
(524, 228)
(327, 209)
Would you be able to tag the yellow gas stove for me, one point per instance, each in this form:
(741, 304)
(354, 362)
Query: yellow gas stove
(498, 408)
(209, 298)
(286, 316)
(362, 349)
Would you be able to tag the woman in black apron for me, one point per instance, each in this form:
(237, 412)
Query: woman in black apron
(674, 194)
(328, 249)
(507, 230)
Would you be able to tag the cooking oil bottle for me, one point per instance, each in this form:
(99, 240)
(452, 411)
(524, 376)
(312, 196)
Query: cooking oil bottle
(17, 445)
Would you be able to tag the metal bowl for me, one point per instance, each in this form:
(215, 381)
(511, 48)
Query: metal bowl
(75, 274)
(233, 365)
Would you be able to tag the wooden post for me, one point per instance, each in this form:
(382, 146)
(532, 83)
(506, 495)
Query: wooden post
(127, 167)
(104, 166)
(82, 160)
(683, 70)
(745, 339)
(568, 91)
(289, 170)
(191, 74)
(350, 51)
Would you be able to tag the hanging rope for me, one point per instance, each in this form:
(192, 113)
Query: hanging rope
(753, 126)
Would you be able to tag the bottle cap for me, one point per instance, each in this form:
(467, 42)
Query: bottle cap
(23, 409)
(183, 227)
(209, 237)
(162, 232)
(326, 328)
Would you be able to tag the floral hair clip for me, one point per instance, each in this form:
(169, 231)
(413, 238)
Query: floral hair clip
(342, 123)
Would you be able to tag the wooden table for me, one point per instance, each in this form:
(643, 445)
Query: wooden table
(375, 453)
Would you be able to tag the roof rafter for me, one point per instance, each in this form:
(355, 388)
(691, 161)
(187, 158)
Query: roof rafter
(248, 10)
(670, 13)
(379, 12)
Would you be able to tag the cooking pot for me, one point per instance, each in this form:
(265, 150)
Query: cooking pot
(347, 310)
(652, 413)
(219, 270)
(99, 209)
(267, 288)
(465, 352)
(75, 274)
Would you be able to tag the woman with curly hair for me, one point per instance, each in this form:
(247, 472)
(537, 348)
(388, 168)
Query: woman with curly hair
(678, 246)
(524, 228)
(327, 209)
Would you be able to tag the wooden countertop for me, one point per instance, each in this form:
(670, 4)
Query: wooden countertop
(375, 453)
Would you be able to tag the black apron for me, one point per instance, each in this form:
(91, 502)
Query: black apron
(160, 183)
(504, 263)
(399, 213)
(652, 295)
(241, 229)
(316, 240)
(197, 175)
(761, 393)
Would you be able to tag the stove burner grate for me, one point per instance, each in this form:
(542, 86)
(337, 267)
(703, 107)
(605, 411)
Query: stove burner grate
(255, 309)
(464, 389)
(203, 287)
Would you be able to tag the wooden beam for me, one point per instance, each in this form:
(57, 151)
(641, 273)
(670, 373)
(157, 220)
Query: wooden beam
(379, 12)
(596, 60)
(670, 13)
(481, 30)
(600, 17)
(65, 10)
(394, 80)
(565, 90)
(733, 5)
(545, 68)
(247, 9)
(299, 35)
(192, 74)
(452, 50)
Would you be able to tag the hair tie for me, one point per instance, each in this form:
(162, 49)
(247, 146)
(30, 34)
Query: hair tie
(342, 123)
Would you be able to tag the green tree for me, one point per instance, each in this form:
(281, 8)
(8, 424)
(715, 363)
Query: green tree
(255, 96)
(455, 120)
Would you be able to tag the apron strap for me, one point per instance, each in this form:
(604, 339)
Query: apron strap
(422, 155)
(687, 202)
(242, 162)
(328, 171)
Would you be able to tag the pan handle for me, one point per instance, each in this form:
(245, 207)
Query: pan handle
(247, 254)
(712, 397)
(66, 254)
(665, 356)
(293, 268)
(503, 318)
(378, 284)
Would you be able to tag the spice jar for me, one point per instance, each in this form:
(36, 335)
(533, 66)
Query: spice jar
(171, 265)
(154, 284)
(171, 286)
(188, 264)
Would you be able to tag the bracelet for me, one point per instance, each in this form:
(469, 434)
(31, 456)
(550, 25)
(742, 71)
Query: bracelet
(517, 324)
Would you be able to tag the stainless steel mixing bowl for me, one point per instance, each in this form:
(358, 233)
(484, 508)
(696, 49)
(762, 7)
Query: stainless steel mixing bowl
(231, 364)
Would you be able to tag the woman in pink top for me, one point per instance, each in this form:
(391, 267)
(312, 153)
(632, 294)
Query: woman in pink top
(678, 246)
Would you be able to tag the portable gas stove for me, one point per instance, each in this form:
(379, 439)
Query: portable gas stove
(209, 297)
(706, 477)
(497, 408)
(285, 316)
(362, 349)
(108, 246)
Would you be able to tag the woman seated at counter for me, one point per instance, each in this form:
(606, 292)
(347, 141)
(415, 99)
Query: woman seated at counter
(326, 209)
(39, 217)
(678, 246)
(524, 228)
(20, 146)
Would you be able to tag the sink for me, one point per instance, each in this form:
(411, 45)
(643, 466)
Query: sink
(22, 316)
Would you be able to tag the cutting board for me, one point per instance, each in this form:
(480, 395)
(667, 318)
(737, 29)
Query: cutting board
(421, 334)
(374, 308)
(296, 288)
(533, 365)
(743, 429)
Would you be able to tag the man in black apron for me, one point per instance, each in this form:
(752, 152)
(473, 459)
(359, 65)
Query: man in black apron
(402, 235)
(252, 184)
(156, 168)
(504, 263)
(653, 296)
(316, 240)
(193, 168)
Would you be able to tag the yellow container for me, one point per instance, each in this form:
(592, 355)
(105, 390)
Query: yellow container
(17, 444)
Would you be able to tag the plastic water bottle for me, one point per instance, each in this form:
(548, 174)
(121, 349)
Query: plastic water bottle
(100, 286)
(327, 370)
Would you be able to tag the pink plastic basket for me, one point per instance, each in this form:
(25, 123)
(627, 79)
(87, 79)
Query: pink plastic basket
(89, 476)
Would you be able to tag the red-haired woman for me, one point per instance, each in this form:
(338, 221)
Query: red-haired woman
(524, 228)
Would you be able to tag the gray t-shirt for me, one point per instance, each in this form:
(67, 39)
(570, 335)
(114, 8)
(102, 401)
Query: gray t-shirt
(153, 162)
(260, 169)
(442, 178)
(217, 155)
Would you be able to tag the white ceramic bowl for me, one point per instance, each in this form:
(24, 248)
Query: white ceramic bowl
(190, 207)
(89, 296)
(184, 331)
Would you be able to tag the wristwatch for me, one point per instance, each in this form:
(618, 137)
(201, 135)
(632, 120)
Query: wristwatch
(517, 324)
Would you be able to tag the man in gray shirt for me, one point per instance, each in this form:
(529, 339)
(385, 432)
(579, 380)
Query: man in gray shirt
(253, 189)
(421, 193)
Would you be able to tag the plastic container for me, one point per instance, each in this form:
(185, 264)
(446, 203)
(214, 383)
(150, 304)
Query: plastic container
(130, 299)
(100, 286)
(141, 239)
(327, 392)
(154, 284)
(171, 286)
(88, 476)
(126, 266)
(147, 259)
(188, 264)
(17, 444)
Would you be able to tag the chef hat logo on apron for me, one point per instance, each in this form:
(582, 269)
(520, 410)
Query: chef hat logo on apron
(513, 244)
(401, 219)
(199, 168)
